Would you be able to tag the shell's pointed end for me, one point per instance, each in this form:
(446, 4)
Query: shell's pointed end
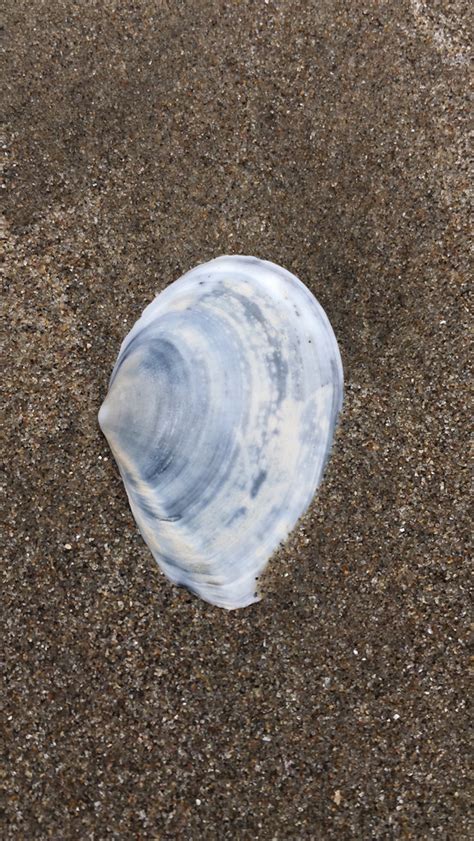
(109, 419)
(129, 415)
(104, 417)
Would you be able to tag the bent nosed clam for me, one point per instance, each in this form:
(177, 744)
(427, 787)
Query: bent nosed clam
(220, 414)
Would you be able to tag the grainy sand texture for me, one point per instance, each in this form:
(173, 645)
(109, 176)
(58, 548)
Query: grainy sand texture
(141, 139)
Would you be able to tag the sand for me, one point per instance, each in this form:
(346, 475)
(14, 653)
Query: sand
(141, 139)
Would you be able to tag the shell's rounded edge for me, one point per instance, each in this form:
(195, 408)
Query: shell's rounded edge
(191, 548)
(231, 596)
(224, 597)
(221, 262)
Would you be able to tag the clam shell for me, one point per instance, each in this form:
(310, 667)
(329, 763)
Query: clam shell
(220, 414)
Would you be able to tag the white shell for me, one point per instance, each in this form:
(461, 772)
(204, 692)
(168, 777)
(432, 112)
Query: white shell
(220, 414)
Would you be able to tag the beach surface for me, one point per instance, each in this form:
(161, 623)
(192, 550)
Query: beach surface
(142, 139)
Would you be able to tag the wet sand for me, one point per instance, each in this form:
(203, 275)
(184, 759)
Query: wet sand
(142, 139)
